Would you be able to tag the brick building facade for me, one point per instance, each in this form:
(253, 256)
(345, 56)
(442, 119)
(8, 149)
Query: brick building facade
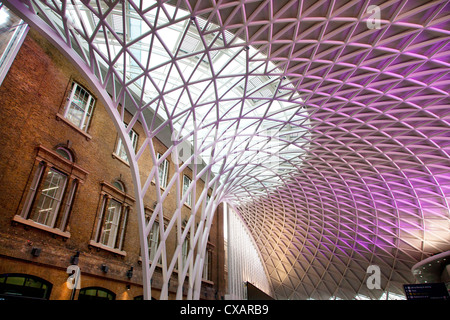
(67, 192)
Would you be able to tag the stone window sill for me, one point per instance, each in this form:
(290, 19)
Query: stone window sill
(208, 282)
(97, 245)
(31, 223)
(63, 119)
(162, 188)
(115, 156)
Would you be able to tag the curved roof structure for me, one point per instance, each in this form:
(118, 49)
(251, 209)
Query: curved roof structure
(325, 124)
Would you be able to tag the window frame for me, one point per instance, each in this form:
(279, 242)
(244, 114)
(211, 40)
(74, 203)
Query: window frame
(46, 161)
(154, 243)
(188, 201)
(119, 151)
(65, 153)
(96, 297)
(185, 247)
(108, 194)
(45, 285)
(88, 108)
(164, 174)
(148, 215)
(41, 197)
(207, 265)
(110, 225)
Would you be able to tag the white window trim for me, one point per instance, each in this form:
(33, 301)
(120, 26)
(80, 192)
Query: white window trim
(165, 174)
(58, 199)
(110, 192)
(68, 205)
(207, 265)
(188, 201)
(152, 242)
(117, 231)
(118, 152)
(185, 249)
(32, 191)
(84, 123)
(46, 160)
(13, 47)
(114, 224)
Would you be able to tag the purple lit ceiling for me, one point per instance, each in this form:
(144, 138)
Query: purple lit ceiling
(374, 188)
(362, 173)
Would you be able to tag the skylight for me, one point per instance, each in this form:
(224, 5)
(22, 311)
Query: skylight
(204, 80)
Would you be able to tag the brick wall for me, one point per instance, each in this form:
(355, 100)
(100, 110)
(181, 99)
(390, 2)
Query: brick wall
(32, 95)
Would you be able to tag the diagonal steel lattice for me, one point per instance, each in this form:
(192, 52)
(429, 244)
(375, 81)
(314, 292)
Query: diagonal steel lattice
(325, 124)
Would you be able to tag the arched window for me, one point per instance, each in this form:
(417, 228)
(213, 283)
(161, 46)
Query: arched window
(24, 286)
(96, 293)
(65, 153)
(119, 185)
(51, 190)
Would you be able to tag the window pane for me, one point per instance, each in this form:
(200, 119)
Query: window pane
(207, 266)
(87, 119)
(90, 292)
(25, 286)
(153, 240)
(122, 228)
(32, 192)
(30, 282)
(11, 34)
(120, 150)
(18, 281)
(50, 198)
(163, 170)
(185, 249)
(119, 185)
(102, 294)
(186, 184)
(79, 109)
(64, 153)
(68, 206)
(111, 223)
(95, 293)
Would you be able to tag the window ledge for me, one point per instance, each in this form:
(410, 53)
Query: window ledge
(97, 245)
(115, 156)
(161, 187)
(158, 265)
(63, 119)
(187, 205)
(208, 282)
(34, 224)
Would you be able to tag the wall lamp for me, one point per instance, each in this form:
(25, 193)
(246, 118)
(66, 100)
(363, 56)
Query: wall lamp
(104, 268)
(35, 252)
(74, 259)
(130, 272)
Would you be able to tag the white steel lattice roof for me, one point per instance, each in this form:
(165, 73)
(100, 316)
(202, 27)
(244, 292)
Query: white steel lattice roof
(328, 131)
